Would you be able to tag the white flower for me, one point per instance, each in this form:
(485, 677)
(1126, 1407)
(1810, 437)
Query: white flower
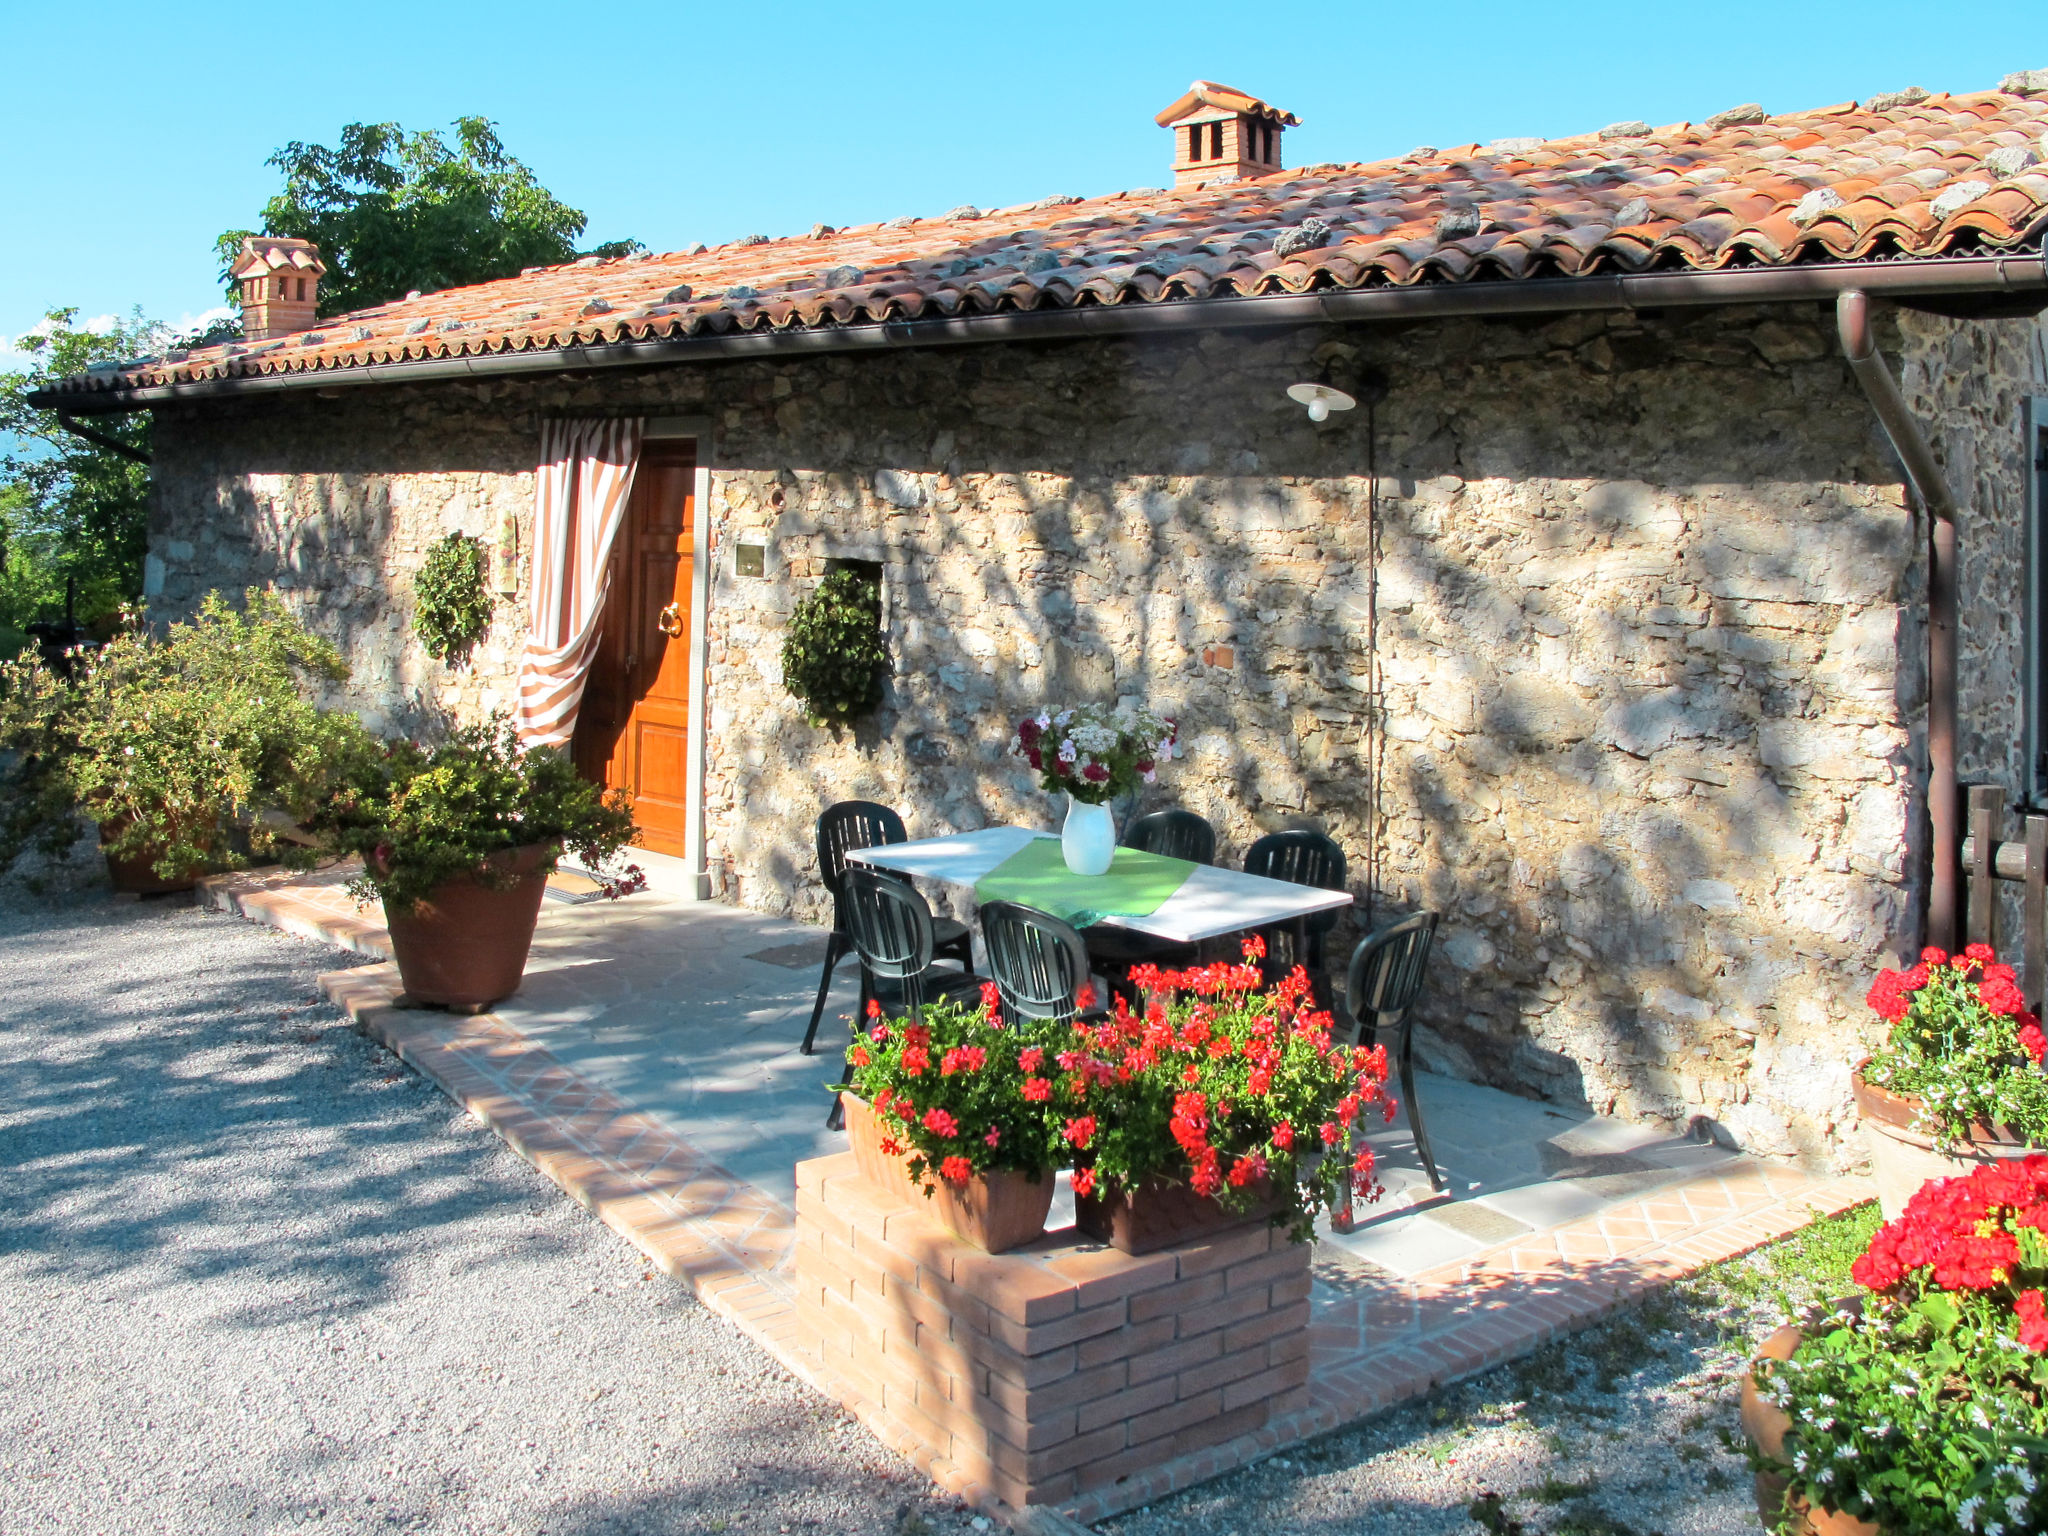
(1149, 776)
(1966, 1512)
(1067, 750)
(2024, 1478)
(2016, 1504)
(1993, 1528)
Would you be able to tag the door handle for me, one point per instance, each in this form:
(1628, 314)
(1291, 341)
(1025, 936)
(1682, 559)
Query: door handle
(671, 621)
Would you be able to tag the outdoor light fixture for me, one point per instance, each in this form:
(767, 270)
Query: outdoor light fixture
(1320, 398)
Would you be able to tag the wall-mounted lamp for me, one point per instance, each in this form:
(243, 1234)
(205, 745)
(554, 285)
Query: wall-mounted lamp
(1320, 398)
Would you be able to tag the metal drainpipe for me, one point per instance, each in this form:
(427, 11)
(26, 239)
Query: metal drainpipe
(1944, 795)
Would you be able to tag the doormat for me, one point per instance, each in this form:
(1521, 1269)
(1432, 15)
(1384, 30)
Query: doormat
(573, 886)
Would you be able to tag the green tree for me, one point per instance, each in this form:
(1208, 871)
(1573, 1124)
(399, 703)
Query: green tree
(69, 508)
(394, 211)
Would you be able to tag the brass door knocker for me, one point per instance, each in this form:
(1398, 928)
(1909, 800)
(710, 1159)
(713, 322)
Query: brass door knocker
(671, 621)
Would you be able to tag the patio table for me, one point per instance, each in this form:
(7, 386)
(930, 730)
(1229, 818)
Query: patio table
(1210, 903)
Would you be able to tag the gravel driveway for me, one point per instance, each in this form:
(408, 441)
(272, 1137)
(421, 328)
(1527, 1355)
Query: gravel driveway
(257, 1275)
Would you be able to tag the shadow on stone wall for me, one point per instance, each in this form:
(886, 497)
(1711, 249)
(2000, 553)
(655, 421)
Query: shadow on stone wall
(1640, 641)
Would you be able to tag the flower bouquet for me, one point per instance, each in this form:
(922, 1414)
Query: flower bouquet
(1218, 1103)
(1092, 755)
(942, 1105)
(1959, 1077)
(1926, 1410)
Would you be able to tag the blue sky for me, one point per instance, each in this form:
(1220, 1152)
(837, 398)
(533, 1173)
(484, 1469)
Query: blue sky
(130, 135)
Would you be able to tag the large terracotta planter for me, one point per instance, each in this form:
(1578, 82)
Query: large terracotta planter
(136, 874)
(465, 946)
(994, 1211)
(1902, 1159)
(1161, 1215)
(1765, 1424)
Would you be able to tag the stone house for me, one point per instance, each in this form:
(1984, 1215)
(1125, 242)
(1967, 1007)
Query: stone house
(1601, 625)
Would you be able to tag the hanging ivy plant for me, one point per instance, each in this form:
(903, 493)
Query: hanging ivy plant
(451, 604)
(833, 654)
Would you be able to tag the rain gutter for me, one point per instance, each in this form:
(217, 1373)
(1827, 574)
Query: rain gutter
(1944, 794)
(1903, 280)
(101, 440)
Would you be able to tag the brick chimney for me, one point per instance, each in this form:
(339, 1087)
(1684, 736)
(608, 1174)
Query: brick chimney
(1220, 133)
(280, 280)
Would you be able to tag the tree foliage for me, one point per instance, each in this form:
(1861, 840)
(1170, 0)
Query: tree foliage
(70, 508)
(393, 211)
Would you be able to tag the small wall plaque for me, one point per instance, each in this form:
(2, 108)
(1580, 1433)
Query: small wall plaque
(750, 560)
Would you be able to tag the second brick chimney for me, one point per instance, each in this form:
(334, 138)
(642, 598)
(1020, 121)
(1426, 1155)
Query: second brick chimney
(1219, 132)
(280, 280)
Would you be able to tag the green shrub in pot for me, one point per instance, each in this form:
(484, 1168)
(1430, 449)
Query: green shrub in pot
(423, 817)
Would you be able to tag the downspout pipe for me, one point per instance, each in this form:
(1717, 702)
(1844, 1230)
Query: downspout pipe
(1944, 794)
(100, 439)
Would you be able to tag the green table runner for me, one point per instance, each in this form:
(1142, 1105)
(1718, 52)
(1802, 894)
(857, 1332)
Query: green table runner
(1037, 875)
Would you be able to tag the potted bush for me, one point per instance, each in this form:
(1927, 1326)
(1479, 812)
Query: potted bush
(1958, 1080)
(1221, 1103)
(1092, 755)
(1923, 1406)
(185, 746)
(941, 1107)
(457, 841)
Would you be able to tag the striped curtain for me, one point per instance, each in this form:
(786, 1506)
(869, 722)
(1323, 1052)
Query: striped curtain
(584, 479)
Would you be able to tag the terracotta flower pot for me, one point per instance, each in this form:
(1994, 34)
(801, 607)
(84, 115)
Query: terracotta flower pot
(1902, 1159)
(994, 1211)
(464, 947)
(1765, 1423)
(135, 874)
(1161, 1215)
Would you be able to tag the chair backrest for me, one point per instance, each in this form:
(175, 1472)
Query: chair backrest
(1387, 972)
(1039, 962)
(853, 824)
(889, 923)
(1175, 834)
(1300, 857)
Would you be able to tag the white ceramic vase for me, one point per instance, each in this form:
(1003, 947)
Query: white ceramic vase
(1089, 838)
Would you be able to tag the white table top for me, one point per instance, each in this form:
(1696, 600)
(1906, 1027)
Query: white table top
(1212, 902)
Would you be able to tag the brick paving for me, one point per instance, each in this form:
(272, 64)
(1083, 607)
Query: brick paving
(1375, 1338)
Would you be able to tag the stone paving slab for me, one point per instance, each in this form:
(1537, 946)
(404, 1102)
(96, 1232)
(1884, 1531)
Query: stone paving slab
(588, 1075)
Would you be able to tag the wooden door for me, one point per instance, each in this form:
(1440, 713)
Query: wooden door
(633, 732)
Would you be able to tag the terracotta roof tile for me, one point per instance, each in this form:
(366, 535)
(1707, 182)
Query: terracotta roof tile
(1896, 183)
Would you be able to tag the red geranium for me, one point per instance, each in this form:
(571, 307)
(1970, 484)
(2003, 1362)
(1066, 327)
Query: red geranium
(1963, 1044)
(1209, 1082)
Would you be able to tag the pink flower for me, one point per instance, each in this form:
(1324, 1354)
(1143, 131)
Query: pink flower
(941, 1123)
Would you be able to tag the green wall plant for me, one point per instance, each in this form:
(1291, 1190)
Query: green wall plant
(451, 602)
(833, 654)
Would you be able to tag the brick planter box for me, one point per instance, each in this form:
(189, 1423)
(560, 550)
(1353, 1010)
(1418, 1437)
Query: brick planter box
(1052, 1372)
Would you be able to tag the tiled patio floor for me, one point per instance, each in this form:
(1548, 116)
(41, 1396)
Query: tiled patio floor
(649, 1066)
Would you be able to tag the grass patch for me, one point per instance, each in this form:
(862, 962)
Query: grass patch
(1554, 1490)
(1810, 1265)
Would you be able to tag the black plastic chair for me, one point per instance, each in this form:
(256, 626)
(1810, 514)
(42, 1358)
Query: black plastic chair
(1300, 857)
(1173, 835)
(1387, 972)
(1038, 961)
(842, 828)
(892, 931)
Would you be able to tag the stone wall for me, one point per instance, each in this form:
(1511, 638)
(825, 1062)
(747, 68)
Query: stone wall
(1967, 381)
(1604, 661)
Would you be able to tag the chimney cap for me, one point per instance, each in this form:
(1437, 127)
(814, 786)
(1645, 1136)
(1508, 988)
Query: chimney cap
(1224, 98)
(277, 253)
